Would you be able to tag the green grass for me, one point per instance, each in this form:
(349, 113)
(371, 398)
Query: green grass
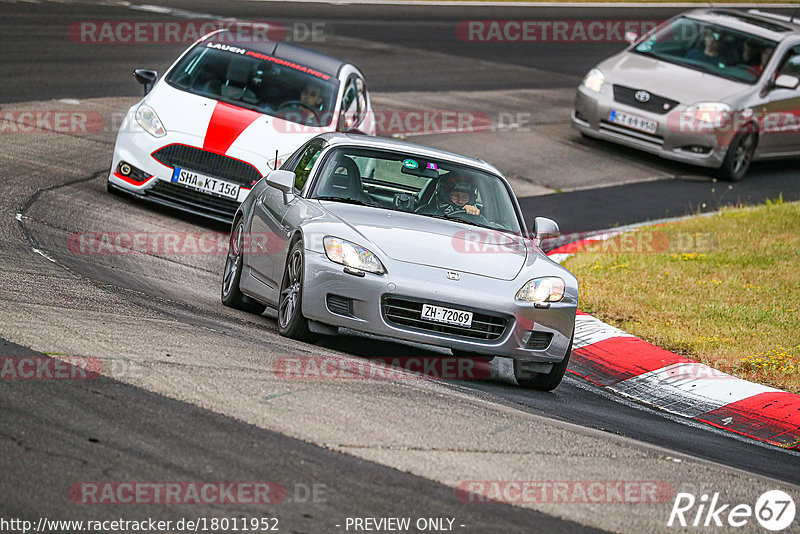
(723, 290)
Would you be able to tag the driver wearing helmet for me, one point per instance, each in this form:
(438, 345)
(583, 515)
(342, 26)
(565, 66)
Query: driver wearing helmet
(305, 110)
(456, 193)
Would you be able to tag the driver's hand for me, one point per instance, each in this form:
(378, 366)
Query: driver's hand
(471, 210)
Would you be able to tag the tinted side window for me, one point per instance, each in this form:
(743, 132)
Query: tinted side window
(790, 64)
(305, 164)
(354, 104)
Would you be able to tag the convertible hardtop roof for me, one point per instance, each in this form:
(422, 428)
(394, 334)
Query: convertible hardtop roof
(385, 143)
(287, 51)
(760, 24)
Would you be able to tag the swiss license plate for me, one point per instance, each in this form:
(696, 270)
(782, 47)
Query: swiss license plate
(446, 315)
(206, 184)
(632, 121)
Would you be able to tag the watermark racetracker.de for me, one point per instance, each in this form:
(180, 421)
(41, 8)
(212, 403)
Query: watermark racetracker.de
(551, 31)
(105, 32)
(480, 241)
(382, 368)
(50, 121)
(565, 491)
(195, 492)
(49, 368)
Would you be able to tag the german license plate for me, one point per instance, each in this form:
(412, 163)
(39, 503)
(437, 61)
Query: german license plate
(632, 121)
(439, 314)
(206, 184)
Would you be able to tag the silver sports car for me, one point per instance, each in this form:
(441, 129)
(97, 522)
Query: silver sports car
(403, 241)
(714, 88)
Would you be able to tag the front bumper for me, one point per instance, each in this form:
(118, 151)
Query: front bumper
(137, 148)
(673, 139)
(361, 305)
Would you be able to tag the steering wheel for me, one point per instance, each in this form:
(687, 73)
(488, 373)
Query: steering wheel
(462, 212)
(299, 103)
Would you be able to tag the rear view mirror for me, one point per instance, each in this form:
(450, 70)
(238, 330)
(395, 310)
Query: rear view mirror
(146, 77)
(282, 181)
(544, 228)
(787, 81)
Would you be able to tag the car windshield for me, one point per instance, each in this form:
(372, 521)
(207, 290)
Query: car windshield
(709, 48)
(414, 184)
(257, 81)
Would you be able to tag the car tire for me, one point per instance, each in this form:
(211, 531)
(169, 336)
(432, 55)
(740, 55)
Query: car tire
(231, 295)
(740, 154)
(543, 381)
(291, 322)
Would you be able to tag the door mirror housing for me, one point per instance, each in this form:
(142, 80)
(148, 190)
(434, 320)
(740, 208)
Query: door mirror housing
(544, 228)
(786, 81)
(146, 77)
(283, 181)
(631, 37)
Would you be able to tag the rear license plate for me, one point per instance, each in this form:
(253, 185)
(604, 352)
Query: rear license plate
(632, 121)
(446, 315)
(206, 184)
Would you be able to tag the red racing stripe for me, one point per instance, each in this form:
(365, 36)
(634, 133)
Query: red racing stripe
(773, 417)
(226, 124)
(616, 359)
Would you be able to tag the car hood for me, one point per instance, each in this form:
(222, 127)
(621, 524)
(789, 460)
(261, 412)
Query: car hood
(683, 84)
(227, 129)
(438, 243)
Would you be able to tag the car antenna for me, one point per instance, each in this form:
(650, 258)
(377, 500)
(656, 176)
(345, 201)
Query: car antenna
(275, 167)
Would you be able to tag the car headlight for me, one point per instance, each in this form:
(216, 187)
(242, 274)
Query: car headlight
(594, 80)
(147, 119)
(352, 255)
(716, 113)
(541, 290)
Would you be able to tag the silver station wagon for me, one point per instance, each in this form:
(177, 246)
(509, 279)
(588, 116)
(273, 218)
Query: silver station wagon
(714, 88)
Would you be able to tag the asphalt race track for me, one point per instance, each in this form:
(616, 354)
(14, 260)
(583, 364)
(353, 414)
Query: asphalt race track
(190, 392)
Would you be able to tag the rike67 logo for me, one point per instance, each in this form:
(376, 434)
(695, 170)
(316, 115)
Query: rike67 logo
(774, 510)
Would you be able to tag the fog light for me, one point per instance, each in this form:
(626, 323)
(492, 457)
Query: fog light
(132, 173)
(697, 149)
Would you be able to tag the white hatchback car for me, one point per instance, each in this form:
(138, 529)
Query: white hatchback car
(224, 115)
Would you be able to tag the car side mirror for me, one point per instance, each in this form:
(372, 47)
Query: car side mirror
(544, 228)
(786, 81)
(146, 77)
(283, 181)
(631, 37)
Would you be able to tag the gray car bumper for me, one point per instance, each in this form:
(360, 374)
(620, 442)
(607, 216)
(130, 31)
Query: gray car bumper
(672, 140)
(333, 297)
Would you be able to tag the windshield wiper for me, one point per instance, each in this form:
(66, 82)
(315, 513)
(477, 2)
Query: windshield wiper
(346, 200)
(459, 219)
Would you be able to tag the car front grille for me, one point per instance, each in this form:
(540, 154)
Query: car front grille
(656, 104)
(195, 200)
(407, 313)
(205, 162)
